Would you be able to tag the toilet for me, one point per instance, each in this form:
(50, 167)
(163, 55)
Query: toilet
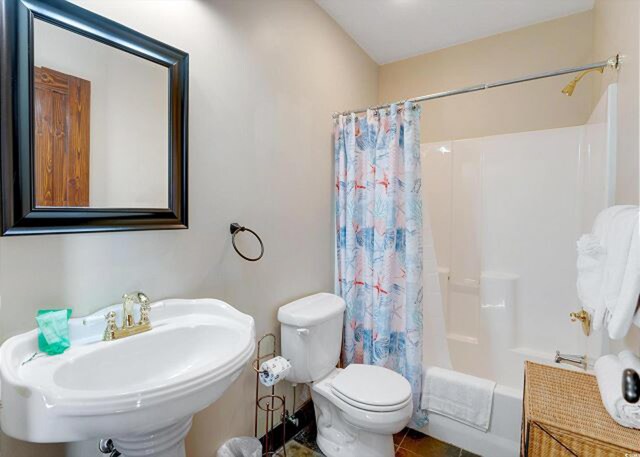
(359, 408)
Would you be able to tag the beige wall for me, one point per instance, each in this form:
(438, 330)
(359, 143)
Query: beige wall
(265, 78)
(617, 30)
(563, 42)
(611, 27)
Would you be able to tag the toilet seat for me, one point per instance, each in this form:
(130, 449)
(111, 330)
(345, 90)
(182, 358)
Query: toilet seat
(361, 416)
(372, 388)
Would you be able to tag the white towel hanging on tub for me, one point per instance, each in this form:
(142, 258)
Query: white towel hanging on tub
(618, 244)
(462, 397)
(620, 311)
(592, 255)
(602, 260)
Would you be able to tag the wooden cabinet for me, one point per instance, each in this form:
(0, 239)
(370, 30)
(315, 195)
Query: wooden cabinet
(563, 416)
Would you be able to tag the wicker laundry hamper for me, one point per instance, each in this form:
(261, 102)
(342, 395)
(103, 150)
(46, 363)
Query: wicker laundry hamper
(563, 416)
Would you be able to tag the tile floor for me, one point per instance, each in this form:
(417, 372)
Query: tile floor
(409, 443)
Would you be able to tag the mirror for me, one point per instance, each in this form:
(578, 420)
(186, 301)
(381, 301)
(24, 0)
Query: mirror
(93, 128)
(101, 123)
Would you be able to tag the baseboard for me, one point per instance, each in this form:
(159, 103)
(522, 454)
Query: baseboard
(305, 416)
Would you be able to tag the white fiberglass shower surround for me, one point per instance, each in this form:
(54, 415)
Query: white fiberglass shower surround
(505, 212)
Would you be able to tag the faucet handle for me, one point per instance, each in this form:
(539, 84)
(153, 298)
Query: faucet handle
(110, 329)
(584, 317)
(579, 315)
(145, 308)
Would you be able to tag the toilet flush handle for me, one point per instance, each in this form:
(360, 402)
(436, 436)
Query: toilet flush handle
(303, 331)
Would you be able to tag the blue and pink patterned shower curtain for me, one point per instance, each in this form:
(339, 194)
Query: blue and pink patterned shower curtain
(379, 240)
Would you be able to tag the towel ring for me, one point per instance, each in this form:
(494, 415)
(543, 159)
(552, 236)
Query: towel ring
(236, 228)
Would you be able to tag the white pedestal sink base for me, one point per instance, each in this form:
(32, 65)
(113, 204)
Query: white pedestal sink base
(165, 442)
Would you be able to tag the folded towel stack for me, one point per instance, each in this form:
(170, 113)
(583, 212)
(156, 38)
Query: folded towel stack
(609, 270)
(609, 370)
(458, 396)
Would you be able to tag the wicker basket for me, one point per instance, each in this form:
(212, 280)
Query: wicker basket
(564, 416)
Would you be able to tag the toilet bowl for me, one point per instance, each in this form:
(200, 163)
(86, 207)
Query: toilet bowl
(349, 426)
(359, 408)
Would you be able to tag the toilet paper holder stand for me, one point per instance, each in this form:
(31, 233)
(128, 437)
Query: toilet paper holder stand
(270, 404)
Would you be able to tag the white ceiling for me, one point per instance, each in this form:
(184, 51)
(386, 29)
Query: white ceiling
(390, 30)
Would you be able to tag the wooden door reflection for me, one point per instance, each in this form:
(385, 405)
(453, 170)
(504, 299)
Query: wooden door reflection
(62, 106)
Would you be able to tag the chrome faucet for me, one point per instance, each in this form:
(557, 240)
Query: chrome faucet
(129, 325)
(575, 360)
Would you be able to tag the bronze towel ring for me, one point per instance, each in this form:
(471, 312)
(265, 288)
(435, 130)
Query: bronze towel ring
(236, 228)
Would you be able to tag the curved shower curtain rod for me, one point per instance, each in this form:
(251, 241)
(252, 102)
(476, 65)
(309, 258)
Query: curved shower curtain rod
(613, 62)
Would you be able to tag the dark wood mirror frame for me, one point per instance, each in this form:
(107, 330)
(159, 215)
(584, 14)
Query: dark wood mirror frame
(20, 216)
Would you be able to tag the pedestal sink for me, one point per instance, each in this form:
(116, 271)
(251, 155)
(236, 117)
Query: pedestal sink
(140, 391)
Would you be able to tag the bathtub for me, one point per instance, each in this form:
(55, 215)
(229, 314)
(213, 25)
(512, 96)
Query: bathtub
(503, 437)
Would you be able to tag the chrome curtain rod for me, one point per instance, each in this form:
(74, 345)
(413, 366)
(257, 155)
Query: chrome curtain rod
(613, 62)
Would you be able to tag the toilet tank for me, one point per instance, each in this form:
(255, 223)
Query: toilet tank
(311, 335)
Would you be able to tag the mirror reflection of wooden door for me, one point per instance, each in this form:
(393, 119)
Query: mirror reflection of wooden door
(62, 105)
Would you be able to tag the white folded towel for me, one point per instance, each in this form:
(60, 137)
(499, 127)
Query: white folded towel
(621, 309)
(458, 396)
(609, 370)
(603, 256)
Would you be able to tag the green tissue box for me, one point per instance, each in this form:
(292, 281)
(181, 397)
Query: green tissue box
(53, 330)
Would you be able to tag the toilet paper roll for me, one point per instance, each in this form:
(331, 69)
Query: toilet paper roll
(274, 370)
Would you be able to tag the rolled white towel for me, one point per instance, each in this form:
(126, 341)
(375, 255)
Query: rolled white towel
(609, 370)
(629, 360)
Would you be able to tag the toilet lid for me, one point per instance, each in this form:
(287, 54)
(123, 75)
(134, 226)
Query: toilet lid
(372, 388)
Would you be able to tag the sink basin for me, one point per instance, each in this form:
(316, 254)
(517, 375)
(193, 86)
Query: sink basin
(141, 391)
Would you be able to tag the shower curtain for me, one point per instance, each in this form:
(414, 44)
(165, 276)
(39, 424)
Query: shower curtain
(379, 240)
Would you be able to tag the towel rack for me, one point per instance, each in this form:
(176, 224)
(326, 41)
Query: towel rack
(236, 228)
